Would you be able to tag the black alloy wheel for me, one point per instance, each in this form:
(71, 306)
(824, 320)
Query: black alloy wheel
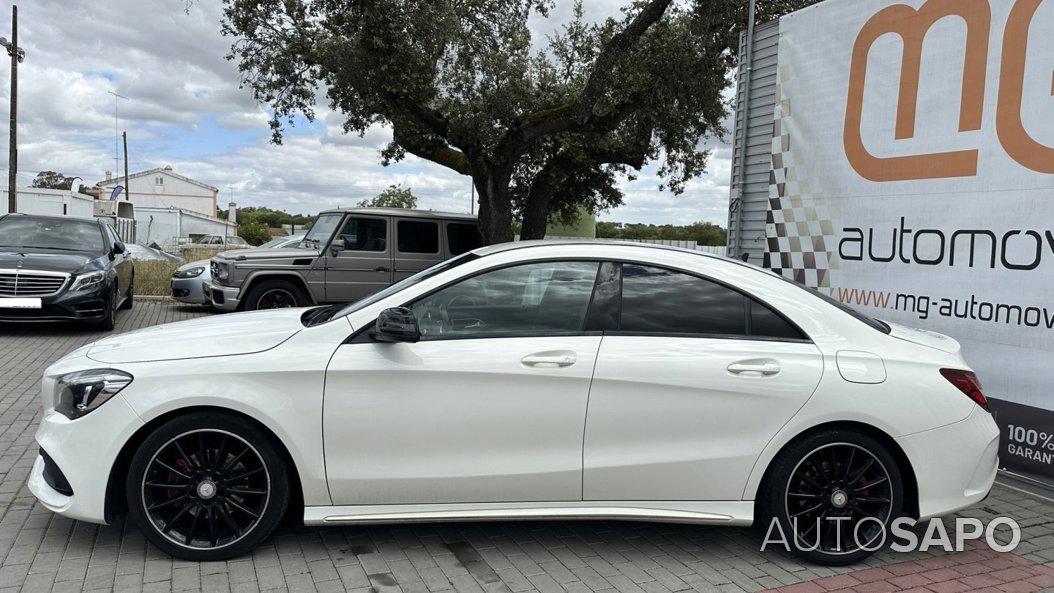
(275, 294)
(209, 491)
(835, 495)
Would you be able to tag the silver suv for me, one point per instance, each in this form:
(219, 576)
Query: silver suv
(348, 254)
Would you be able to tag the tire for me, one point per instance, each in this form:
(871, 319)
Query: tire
(129, 299)
(107, 323)
(275, 294)
(847, 473)
(207, 486)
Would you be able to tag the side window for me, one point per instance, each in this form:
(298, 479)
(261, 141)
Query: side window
(462, 237)
(764, 322)
(529, 299)
(655, 300)
(363, 234)
(418, 236)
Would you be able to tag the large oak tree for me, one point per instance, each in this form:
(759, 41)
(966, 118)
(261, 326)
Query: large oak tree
(541, 128)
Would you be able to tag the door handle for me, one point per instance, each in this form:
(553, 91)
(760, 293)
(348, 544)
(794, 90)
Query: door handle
(381, 269)
(549, 360)
(754, 368)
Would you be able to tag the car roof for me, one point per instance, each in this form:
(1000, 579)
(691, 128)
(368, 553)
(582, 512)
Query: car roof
(538, 243)
(53, 217)
(403, 212)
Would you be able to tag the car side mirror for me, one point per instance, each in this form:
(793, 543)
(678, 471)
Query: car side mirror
(397, 324)
(119, 248)
(334, 250)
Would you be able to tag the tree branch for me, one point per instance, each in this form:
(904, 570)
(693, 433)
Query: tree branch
(436, 152)
(580, 111)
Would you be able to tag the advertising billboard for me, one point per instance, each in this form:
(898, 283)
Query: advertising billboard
(913, 178)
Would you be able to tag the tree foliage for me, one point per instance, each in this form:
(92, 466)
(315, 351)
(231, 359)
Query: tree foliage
(268, 217)
(254, 232)
(395, 196)
(541, 128)
(703, 233)
(55, 180)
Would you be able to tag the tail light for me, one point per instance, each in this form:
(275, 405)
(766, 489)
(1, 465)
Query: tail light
(967, 383)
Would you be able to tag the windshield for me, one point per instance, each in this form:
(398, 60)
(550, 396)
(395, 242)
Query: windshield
(21, 232)
(323, 228)
(323, 314)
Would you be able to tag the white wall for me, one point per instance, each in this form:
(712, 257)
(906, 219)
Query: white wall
(165, 226)
(54, 202)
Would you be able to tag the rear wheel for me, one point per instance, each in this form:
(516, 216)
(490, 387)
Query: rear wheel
(275, 294)
(834, 495)
(207, 486)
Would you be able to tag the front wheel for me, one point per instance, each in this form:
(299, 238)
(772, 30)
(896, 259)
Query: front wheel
(275, 294)
(834, 495)
(207, 486)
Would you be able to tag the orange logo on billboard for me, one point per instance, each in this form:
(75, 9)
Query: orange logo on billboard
(912, 25)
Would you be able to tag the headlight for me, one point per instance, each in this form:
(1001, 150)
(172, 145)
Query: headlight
(88, 280)
(191, 273)
(81, 392)
(219, 271)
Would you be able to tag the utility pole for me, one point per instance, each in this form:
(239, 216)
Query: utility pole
(17, 55)
(116, 137)
(124, 137)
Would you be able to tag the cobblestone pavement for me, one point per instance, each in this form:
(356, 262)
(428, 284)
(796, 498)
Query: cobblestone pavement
(43, 552)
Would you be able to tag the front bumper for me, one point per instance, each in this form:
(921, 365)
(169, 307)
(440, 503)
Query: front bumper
(82, 457)
(224, 298)
(955, 465)
(82, 305)
(189, 290)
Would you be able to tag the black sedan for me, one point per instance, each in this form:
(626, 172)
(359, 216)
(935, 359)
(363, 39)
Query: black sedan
(60, 268)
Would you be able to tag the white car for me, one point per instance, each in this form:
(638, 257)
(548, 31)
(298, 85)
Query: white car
(529, 380)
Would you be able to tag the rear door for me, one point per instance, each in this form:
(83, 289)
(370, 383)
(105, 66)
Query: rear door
(359, 258)
(692, 383)
(417, 246)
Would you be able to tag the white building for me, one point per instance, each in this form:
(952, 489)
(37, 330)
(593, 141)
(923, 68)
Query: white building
(168, 227)
(51, 202)
(163, 188)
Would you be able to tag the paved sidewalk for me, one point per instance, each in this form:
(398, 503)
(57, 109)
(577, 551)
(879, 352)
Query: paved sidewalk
(42, 552)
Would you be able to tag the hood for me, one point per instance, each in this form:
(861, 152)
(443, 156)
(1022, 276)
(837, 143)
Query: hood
(52, 261)
(924, 338)
(203, 263)
(205, 337)
(283, 253)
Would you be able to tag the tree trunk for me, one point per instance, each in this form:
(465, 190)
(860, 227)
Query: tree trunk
(536, 210)
(495, 207)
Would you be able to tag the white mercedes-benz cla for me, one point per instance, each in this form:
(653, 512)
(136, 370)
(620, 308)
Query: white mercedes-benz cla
(534, 380)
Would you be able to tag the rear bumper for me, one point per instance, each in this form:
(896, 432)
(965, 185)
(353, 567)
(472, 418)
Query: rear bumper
(224, 298)
(955, 465)
(83, 305)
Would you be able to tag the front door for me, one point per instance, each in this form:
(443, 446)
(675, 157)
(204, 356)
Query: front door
(488, 407)
(358, 259)
(689, 388)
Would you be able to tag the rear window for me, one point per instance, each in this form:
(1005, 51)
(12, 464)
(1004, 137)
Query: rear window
(462, 237)
(418, 236)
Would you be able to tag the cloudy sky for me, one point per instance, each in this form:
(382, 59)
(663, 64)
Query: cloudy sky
(184, 109)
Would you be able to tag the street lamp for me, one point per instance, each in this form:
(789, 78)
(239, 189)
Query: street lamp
(17, 55)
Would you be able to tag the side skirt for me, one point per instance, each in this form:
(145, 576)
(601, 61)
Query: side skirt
(739, 513)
